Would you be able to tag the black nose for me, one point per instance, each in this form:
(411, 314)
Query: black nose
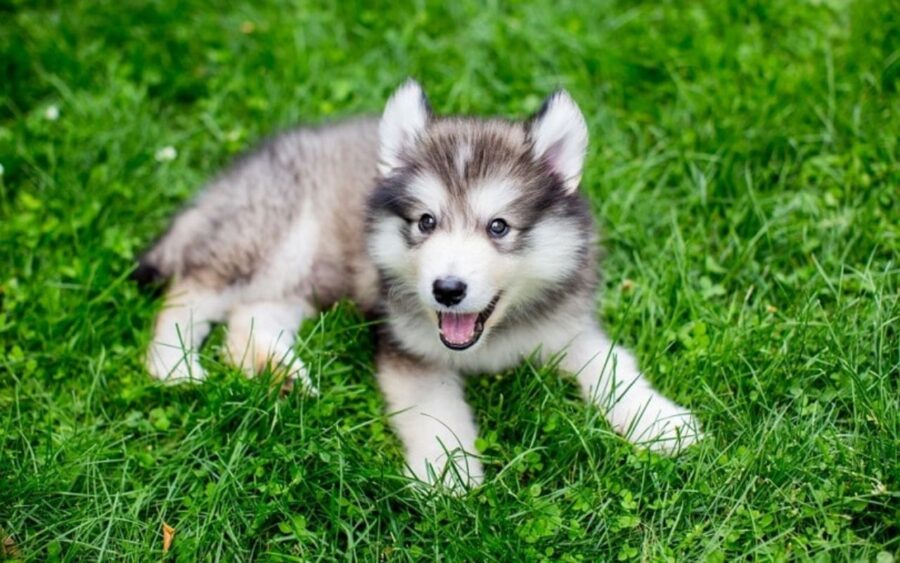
(449, 291)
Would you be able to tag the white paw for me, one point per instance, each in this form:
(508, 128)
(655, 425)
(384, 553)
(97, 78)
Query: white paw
(173, 365)
(461, 473)
(289, 368)
(664, 427)
(297, 374)
(672, 434)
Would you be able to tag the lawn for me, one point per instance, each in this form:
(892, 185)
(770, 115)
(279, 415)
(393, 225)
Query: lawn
(744, 167)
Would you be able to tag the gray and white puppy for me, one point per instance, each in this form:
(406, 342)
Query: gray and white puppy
(467, 236)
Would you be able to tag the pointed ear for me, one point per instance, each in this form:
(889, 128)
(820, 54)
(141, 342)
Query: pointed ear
(560, 136)
(402, 122)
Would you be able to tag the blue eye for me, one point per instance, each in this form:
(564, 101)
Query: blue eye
(498, 228)
(427, 223)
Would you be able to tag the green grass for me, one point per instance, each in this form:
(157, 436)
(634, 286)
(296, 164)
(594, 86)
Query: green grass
(744, 166)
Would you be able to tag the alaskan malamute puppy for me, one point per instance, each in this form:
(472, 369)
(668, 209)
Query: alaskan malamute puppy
(468, 237)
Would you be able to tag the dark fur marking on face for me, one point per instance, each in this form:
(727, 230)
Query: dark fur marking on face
(489, 148)
(409, 237)
(391, 196)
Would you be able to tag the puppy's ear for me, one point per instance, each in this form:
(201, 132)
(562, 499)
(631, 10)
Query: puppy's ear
(403, 121)
(559, 137)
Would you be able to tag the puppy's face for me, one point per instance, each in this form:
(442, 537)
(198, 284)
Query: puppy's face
(477, 220)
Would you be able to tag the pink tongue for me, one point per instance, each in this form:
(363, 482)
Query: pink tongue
(458, 328)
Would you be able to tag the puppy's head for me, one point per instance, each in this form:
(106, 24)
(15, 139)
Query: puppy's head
(477, 222)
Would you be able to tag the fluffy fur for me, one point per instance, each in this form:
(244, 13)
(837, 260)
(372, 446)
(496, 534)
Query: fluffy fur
(384, 211)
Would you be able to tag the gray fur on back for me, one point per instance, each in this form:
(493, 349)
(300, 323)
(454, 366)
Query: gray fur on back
(225, 237)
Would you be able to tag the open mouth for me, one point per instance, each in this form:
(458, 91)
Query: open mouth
(462, 330)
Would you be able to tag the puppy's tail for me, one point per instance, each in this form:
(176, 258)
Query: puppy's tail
(151, 272)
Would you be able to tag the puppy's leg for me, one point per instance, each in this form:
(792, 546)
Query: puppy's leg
(262, 334)
(182, 325)
(609, 376)
(429, 412)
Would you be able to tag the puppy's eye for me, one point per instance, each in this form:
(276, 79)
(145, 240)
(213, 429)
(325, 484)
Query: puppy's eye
(498, 228)
(427, 223)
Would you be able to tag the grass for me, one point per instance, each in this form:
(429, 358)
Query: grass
(744, 166)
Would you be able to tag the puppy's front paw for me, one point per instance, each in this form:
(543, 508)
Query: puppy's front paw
(298, 375)
(173, 365)
(662, 426)
(455, 471)
(672, 433)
